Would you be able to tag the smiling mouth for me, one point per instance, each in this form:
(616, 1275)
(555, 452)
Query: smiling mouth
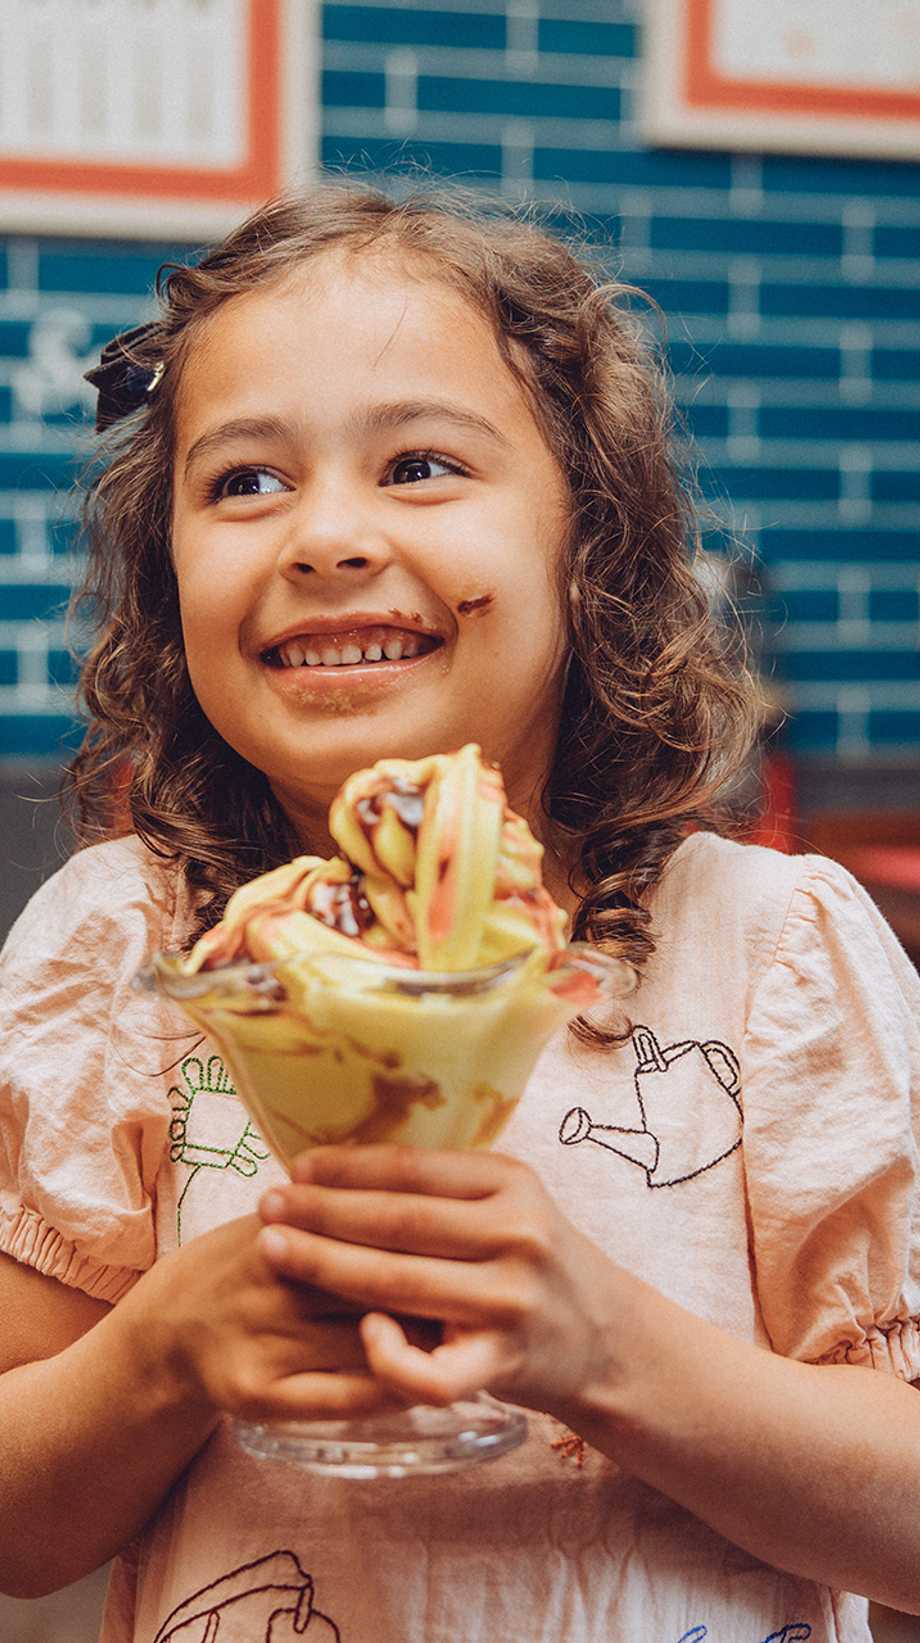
(358, 647)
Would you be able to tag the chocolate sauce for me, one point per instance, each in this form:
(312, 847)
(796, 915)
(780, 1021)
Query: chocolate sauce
(497, 1110)
(394, 1099)
(409, 803)
(343, 907)
(368, 812)
(467, 607)
(404, 797)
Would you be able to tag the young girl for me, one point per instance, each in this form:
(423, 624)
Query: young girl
(385, 478)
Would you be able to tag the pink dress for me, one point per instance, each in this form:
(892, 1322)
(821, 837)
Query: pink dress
(750, 1150)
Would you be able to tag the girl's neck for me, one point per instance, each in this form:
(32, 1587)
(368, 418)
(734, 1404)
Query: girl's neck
(309, 818)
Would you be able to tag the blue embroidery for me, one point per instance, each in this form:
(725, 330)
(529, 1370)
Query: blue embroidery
(794, 1631)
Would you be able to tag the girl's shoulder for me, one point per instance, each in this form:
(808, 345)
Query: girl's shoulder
(109, 892)
(713, 882)
(756, 907)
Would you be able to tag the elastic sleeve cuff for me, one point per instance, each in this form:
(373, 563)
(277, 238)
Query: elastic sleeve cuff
(894, 1348)
(29, 1238)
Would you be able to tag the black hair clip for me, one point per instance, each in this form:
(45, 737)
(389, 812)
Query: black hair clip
(124, 386)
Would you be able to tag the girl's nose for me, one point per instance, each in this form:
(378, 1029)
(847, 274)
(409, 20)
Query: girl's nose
(331, 536)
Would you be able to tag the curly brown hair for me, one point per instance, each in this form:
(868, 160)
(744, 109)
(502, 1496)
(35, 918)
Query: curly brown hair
(658, 712)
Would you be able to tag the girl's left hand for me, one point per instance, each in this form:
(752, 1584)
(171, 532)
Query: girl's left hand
(530, 1306)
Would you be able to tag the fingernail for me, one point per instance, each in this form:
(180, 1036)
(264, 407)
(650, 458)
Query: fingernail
(274, 1204)
(274, 1243)
(301, 1169)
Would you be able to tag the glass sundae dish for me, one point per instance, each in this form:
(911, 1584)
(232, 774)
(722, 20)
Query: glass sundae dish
(399, 992)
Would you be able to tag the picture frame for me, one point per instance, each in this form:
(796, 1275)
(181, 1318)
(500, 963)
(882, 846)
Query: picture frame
(153, 118)
(794, 76)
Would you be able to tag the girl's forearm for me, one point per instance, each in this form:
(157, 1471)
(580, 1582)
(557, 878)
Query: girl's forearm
(90, 1442)
(813, 1469)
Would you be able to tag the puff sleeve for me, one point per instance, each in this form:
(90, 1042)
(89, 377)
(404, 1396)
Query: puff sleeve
(831, 1132)
(82, 1126)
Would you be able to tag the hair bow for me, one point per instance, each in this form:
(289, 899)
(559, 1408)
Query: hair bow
(124, 386)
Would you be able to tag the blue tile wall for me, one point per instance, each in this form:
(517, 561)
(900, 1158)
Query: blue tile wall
(896, 364)
(414, 26)
(590, 38)
(798, 605)
(792, 306)
(892, 240)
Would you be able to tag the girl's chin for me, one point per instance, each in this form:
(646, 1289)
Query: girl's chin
(310, 774)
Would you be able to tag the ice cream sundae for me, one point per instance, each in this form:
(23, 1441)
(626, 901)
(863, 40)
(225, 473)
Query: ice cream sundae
(403, 989)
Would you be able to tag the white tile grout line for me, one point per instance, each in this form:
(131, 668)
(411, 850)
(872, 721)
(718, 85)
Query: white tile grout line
(834, 636)
(746, 196)
(887, 695)
(33, 659)
(400, 115)
(14, 634)
(854, 704)
(856, 362)
(858, 259)
(744, 279)
(853, 624)
(792, 574)
(519, 56)
(36, 698)
(521, 38)
(743, 443)
(517, 157)
(22, 263)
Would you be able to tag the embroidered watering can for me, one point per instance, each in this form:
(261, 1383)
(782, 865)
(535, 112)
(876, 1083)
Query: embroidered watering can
(268, 1601)
(687, 1109)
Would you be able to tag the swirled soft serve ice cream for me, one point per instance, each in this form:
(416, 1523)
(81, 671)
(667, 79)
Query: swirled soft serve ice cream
(404, 988)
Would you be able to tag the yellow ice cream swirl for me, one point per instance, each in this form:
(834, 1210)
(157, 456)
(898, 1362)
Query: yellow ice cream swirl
(436, 872)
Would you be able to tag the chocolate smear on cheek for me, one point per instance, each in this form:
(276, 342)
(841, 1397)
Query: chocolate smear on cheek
(475, 607)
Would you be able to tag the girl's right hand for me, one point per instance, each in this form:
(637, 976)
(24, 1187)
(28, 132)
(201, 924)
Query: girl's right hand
(214, 1325)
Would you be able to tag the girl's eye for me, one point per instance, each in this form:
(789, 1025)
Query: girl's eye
(418, 465)
(248, 482)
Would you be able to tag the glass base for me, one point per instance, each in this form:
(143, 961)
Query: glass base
(404, 1443)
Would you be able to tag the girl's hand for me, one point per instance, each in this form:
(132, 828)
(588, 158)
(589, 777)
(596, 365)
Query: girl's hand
(472, 1239)
(225, 1329)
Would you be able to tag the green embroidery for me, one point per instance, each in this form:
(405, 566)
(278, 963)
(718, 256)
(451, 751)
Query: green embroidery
(204, 1130)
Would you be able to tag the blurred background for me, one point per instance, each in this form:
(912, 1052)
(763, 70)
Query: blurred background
(755, 169)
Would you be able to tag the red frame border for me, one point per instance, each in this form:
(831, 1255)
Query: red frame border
(705, 87)
(258, 176)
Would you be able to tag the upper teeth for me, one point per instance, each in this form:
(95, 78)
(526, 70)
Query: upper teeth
(330, 653)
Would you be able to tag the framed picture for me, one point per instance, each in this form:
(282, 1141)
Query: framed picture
(155, 118)
(804, 76)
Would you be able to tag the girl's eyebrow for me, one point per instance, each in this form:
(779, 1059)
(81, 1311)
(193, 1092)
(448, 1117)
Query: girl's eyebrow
(401, 411)
(377, 418)
(240, 427)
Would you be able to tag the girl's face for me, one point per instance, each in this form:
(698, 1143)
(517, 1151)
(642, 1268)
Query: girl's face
(360, 482)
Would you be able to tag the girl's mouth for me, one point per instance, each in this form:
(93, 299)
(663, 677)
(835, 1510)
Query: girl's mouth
(365, 647)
